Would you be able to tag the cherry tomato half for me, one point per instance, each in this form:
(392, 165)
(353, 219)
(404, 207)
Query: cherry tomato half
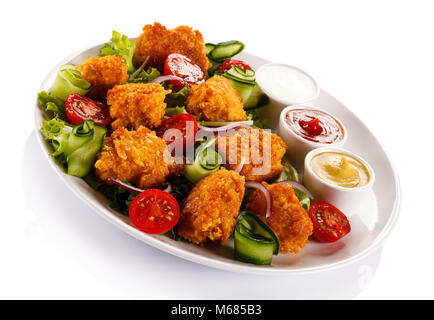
(154, 211)
(79, 108)
(187, 126)
(227, 64)
(179, 65)
(329, 223)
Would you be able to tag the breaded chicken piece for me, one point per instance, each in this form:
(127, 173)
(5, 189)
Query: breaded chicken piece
(139, 157)
(216, 100)
(157, 42)
(261, 151)
(137, 104)
(211, 209)
(288, 219)
(103, 73)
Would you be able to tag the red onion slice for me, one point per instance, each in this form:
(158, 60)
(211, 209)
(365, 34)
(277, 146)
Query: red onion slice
(241, 165)
(169, 188)
(298, 186)
(124, 185)
(128, 187)
(264, 190)
(231, 126)
(163, 78)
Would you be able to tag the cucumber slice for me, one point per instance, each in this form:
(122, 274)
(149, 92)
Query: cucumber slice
(240, 74)
(259, 227)
(256, 99)
(226, 50)
(253, 251)
(81, 160)
(209, 47)
(244, 88)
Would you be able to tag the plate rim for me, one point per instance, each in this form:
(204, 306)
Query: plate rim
(195, 257)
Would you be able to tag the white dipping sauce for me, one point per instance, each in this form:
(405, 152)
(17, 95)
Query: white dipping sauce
(286, 83)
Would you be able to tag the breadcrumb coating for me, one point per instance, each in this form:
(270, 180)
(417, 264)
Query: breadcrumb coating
(157, 42)
(288, 219)
(261, 151)
(137, 104)
(103, 73)
(216, 100)
(211, 209)
(139, 157)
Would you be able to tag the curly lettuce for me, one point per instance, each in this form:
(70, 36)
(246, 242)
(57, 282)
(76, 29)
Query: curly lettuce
(175, 99)
(145, 76)
(120, 46)
(51, 104)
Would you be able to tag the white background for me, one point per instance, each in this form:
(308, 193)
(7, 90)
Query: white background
(374, 56)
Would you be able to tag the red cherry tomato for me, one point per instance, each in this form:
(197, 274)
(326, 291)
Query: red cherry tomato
(79, 108)
(187, 126)
(313, 127)
(227, 64)
(154, 211)
(329, 223)
(178, 65)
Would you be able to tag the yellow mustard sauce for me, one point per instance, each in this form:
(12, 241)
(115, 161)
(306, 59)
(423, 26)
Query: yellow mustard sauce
(340, 169)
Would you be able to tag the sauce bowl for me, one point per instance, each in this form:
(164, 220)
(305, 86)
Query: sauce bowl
(299, 147)
(346, 199)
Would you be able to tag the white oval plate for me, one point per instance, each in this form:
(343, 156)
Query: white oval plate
(370, 224)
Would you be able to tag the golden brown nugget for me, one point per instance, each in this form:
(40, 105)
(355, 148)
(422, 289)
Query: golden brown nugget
(139, 157)
(211, 209)
(261, 151)
(216, 100)
(157, 42)
(103, 73)
(137, 104)
(288, 219)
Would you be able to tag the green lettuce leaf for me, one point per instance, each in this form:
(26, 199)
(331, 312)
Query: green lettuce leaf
(120, 198)
(175, 99)
(51, 104)
(120, 46)
(288, 172)
(303, 198)
(146, 76)
(175, 111)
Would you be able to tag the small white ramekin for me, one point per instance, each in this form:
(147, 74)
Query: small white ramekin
(345, 199)
(276, 103)
(299, 147)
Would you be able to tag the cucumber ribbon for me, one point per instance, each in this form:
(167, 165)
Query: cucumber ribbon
(69, 80)
(207, 161)
(255, 242)
(76, 147)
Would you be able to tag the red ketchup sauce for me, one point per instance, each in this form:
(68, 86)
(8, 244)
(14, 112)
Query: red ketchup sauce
(315, 125)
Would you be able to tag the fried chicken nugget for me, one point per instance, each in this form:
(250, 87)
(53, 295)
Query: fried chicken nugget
(211, 209)
(157, 42)
(103, 73)
(288, 219)
(137, 104)
(261, 151)
(216, 99)
(139, 157)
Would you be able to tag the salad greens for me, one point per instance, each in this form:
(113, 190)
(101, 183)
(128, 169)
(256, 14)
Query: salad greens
(174, 111)
(51, 104)
(74, 147)
(120, 198)
(145, 76)
(120, 46)
(289, 173)
(175, 99)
